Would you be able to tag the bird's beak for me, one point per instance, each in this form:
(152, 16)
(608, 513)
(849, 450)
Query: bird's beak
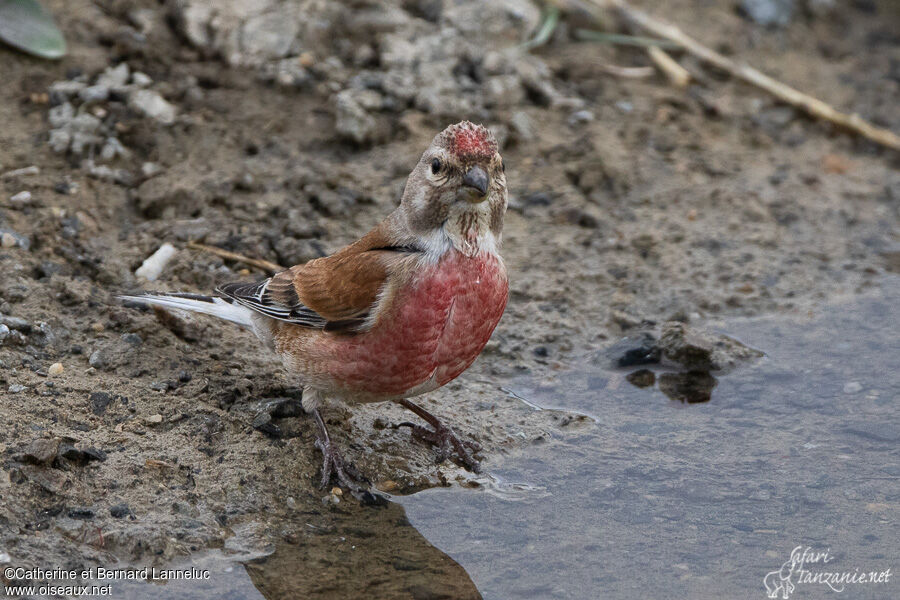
(475, 184)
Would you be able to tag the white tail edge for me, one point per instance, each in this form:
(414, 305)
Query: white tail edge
(208, 305)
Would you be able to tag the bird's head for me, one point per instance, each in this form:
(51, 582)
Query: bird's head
(457, 192)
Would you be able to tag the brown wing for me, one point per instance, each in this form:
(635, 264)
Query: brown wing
(334, 293)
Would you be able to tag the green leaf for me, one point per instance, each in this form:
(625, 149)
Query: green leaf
(25, 25)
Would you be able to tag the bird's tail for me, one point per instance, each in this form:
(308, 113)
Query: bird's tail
(224, 308)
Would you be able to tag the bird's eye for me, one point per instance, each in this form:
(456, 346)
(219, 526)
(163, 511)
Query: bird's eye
(436, 165)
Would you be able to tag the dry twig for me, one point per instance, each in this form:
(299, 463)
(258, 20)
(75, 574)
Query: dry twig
(628, 72)
(809, 104)
(677, 74)
(253, 262)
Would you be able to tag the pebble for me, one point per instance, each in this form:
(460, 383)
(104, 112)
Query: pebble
(149, 169)
(114, 77)
(151, 268)
(263, 423)
(55, 369)
(20, 199)
(581, 116)
(641, 378)
(32, 170)
(98, 359)
(41, 451)
(353, 120)
(522, 126)
(99, 401)
(81, 512)
(4, 332)
(16, 388)
(8, 240)
(94, 93)
(151, 104)
(141, 79)
(81, 456)
(119, 511)
(768, 13)
(154, 419)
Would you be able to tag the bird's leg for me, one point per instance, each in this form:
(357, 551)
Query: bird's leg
(442, 437)
(333, 464)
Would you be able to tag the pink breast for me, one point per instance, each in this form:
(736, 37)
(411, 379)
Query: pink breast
(433, 331)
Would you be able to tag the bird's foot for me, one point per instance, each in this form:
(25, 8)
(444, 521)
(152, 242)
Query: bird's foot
(446, 443)
(334, 466)
(443, 438)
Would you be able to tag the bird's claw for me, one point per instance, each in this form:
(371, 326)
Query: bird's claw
(334, 465)
(446, 442)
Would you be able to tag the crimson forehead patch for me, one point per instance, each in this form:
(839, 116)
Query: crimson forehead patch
(470, 142)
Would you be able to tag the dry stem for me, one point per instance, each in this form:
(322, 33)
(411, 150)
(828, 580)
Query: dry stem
(809, 104)
(254, 262)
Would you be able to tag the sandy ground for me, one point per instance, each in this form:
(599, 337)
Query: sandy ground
(630, 203)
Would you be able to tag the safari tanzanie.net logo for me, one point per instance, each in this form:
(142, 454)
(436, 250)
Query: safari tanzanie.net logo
(808, 568)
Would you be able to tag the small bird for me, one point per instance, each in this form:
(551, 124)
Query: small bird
(400, 312)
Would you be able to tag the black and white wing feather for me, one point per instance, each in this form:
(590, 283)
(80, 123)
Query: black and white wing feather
(275, 298)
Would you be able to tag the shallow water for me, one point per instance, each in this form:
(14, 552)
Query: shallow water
(668, 500)
(648, 497)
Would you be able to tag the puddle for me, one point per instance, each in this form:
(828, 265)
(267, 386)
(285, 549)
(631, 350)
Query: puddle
(664, 499)
(648, 497)
(349, 552)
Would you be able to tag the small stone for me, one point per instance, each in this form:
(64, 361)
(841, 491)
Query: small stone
(641, 378)
(99, 401)
(81, 512)
(154, 419)
(21, 199)
(153, 266)
(263, 423)
(691, 387)
(388, 485)
(114, 77)
(15, 388)
(17, 323)
(119, 511)
(639, 349)
(8, 240)
(151, 104)
(81, 456)
(67, 87)
(132, 339)
(55, 369)
(94, 93)
(353, 121)
(41, 451)
(697, 350)
(149, 169)
(522, 126)
(141, 79)
(768, 13)
(98, 359)
(4, 332)
(284, 407)
(581, 116)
